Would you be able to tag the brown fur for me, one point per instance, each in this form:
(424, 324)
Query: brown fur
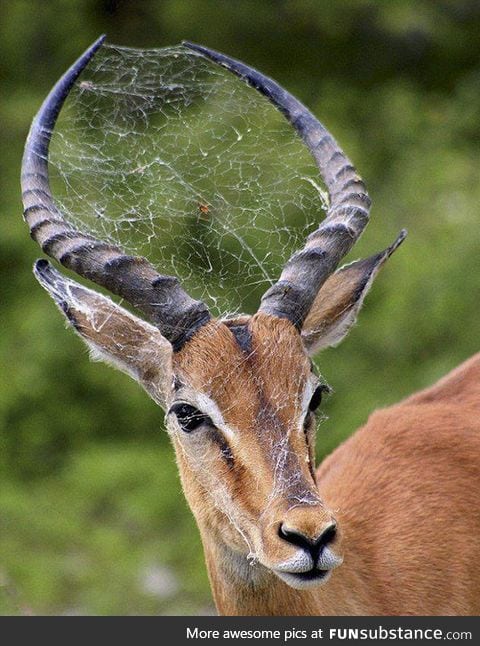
(406, 492)
(259, 394)
(240, 384)
(405, 488)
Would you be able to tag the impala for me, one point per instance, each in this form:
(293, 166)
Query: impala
(390, 522)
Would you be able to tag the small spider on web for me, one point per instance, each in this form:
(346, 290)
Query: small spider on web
(147, 133)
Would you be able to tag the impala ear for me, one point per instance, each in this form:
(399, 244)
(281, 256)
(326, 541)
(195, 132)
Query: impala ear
(112, 334)
(340, 298)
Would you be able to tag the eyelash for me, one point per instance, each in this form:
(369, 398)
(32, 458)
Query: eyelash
(311, 415)
(190, 418)
(316, 399)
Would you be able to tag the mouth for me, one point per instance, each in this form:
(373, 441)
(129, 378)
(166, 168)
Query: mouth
(304, 580)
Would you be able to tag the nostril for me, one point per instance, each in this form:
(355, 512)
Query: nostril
(315, 545)
(291, 536)
(328, 536)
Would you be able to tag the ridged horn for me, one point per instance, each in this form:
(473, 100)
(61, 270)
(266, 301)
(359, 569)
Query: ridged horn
(348, 213)
(160, 298)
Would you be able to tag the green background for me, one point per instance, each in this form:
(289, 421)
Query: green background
(92, 518)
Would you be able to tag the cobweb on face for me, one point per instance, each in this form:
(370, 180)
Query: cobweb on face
(174, 158)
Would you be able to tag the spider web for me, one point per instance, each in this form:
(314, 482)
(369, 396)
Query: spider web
(172, 157)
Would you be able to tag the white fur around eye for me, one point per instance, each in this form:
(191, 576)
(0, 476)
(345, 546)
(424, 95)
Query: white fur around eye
(205, 405)
(311, 386)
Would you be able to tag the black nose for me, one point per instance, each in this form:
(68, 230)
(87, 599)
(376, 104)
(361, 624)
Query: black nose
(313, 546)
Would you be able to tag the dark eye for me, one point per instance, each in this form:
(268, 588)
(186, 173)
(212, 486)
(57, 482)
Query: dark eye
(317, 397)
(189, 417)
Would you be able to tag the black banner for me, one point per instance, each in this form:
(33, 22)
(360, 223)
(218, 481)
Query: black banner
(277, 631)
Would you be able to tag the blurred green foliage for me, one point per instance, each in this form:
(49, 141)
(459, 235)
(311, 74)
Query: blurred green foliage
(92, 518)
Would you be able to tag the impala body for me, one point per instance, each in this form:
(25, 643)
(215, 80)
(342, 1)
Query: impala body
(390, 522)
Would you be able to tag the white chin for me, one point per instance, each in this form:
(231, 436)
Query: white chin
(304, 580)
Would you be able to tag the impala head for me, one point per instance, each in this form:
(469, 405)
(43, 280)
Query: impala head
(240, 394)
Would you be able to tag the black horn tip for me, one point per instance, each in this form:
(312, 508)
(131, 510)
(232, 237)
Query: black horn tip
(90, 51)
(86, 57)
(237, 67)
(83, 60)
(79, 65)
(197, 48)
(38, 139)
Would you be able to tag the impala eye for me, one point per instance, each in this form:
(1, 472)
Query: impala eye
(317, 397)
(189, 417)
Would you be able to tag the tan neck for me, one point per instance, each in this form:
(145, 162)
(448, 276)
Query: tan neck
(240, 587)
(243, 588)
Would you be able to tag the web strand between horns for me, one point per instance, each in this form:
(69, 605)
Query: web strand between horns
(173, 158)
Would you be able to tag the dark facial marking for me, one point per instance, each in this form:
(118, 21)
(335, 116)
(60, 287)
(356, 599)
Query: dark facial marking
(223, 446)
(243, 337)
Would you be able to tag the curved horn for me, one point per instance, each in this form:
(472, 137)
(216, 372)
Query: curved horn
(306, 271)
(160, 298)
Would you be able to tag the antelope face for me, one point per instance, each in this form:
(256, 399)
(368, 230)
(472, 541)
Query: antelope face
(241, 417)
(240, 410)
